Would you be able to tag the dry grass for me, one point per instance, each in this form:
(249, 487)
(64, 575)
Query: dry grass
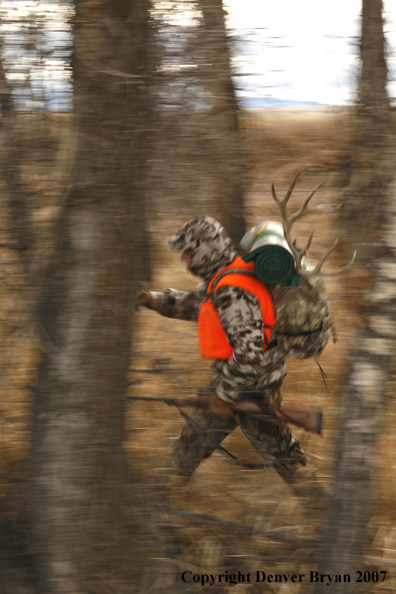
(280, 143)
(166, 363)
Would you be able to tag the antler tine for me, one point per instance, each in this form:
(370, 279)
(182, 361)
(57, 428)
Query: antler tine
(317, 270)
(342, 269)
(319, 265)
(331, 208)
(295, 252)
(350, 263)
(290, 190)
(288, 223)
(283, 203)
(299, 254)
(304, 251)
(274, 196)
(302, 211)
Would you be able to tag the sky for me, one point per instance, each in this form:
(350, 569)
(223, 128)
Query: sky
(284, 51)
(304, 50)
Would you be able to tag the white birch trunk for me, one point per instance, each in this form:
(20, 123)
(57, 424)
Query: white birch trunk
(372, 209)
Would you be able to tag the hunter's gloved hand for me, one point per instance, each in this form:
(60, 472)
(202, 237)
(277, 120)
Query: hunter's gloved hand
(143, 298)
(218, 406)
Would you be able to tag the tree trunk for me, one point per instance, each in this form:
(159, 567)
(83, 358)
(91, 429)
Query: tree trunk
(22, 228)
(362, 419)
(14, 577)
(224, 150)
(372, 89)
(367, 167)
(364, 402)
(81, 516)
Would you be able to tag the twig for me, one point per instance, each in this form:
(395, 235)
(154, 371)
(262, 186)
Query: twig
(246, 528)
(14, 478)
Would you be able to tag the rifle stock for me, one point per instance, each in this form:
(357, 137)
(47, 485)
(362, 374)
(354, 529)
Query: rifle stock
(310, 420)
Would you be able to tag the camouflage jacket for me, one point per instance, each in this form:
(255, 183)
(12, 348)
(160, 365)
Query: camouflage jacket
(250, 368)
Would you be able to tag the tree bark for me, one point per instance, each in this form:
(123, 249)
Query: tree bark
(224, 150)
(367, 166)
(14, 577)
(372, 89)
(22, 227)
(364, 399)
(81, 511)
(362, 419)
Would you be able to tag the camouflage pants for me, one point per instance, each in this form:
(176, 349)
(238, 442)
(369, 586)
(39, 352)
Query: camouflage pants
(274, 441)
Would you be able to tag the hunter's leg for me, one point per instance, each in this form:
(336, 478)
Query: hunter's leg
(275, 442)
(193, 446)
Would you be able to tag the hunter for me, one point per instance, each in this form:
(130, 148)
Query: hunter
(236, 335)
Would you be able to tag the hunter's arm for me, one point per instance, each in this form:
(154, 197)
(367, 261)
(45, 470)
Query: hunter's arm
(250, 367)
(181, 305)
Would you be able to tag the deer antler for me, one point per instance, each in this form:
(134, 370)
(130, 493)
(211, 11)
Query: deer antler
(288, 223)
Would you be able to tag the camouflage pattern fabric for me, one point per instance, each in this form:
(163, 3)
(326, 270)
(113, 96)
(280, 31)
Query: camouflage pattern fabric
(180, 305)
(206, 242)
(251, 372)
(303, 318)
(273, 441)
(250, 368)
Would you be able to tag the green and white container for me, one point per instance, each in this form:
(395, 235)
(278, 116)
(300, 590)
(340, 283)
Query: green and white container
(267, 247)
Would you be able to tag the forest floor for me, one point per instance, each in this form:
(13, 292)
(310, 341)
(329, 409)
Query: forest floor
(261, 525)
(167, 363)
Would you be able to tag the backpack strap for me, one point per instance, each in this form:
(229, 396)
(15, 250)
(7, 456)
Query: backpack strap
(225, 273)
(247, 273)
(302, 333)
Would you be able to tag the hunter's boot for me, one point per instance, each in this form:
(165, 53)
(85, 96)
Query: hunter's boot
(312, 491)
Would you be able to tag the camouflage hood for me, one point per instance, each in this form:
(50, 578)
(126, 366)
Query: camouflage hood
(206, 242)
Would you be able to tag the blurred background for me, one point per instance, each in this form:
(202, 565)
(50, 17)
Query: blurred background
(120, 120)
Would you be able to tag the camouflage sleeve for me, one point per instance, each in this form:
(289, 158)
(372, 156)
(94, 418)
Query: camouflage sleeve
(241, 318)
(181, 305)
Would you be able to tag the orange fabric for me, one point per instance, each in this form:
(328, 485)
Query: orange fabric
(213, 341)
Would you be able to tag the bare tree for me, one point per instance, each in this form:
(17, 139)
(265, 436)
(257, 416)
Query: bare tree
(365, 389)
(82, 508)
(10, 167)
(366, 164)
(224, 150)
(198, 156)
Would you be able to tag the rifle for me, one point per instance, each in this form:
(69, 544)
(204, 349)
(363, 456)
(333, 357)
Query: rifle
(310, 420)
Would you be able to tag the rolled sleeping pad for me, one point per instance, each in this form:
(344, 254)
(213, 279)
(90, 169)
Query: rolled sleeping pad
(272, 264)
(273, 260)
